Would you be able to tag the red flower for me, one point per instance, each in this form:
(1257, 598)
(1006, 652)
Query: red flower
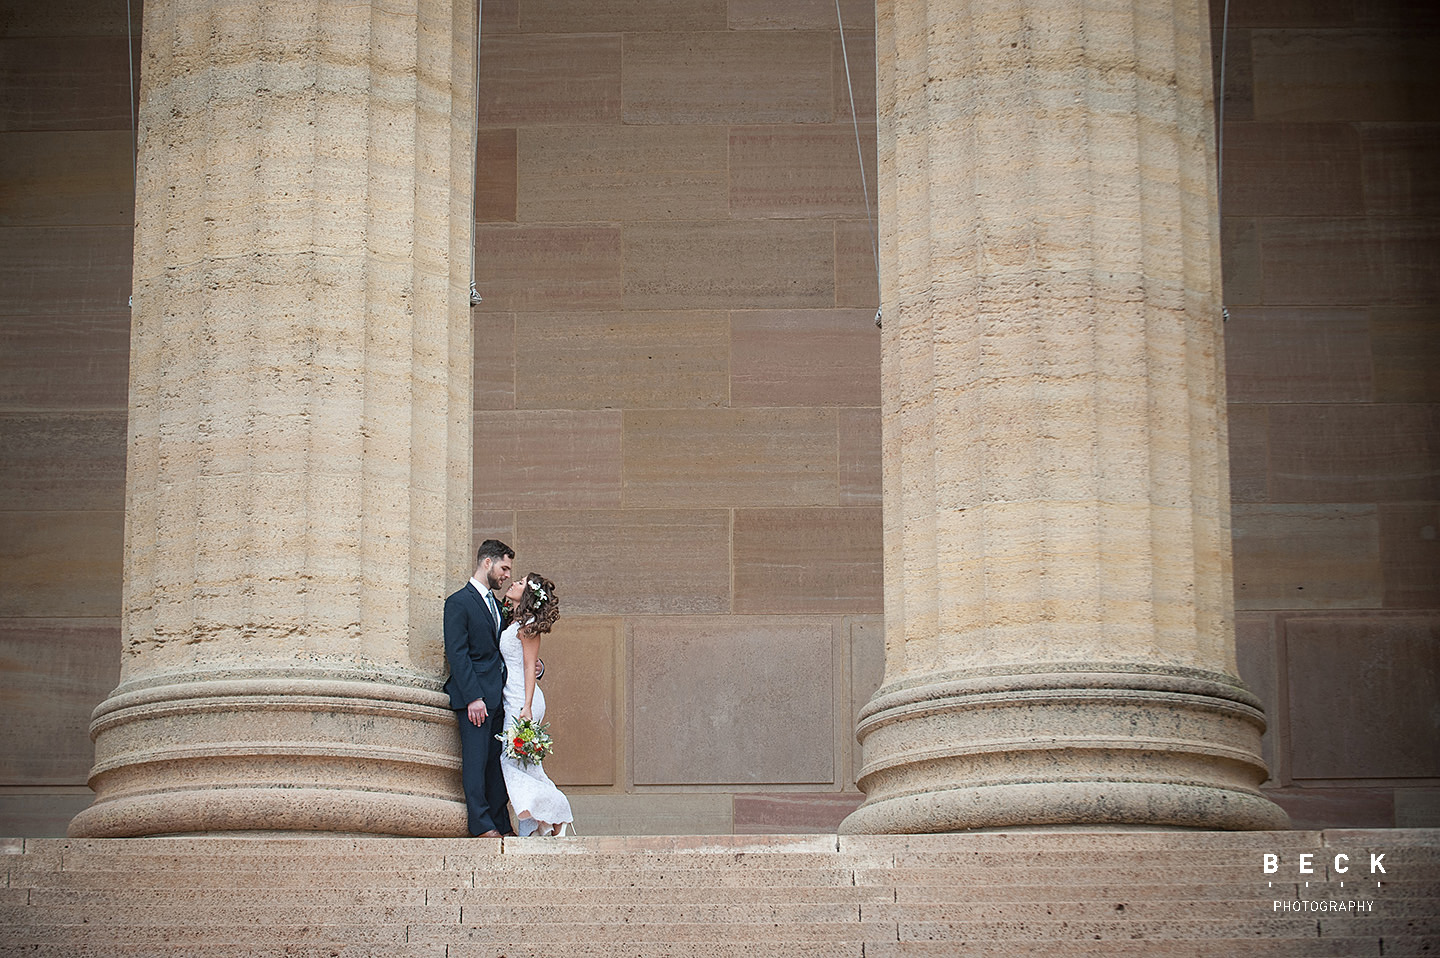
(519, 743)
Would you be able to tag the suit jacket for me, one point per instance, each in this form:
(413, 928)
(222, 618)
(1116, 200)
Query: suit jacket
(472, 647)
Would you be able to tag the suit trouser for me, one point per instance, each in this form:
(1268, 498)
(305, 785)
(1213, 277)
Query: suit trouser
(485, 795)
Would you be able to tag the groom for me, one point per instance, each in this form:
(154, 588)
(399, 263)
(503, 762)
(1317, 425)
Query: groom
(475, 686)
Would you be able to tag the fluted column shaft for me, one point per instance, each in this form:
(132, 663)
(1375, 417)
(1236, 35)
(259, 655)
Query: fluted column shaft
(1059, 626)
(298, 481)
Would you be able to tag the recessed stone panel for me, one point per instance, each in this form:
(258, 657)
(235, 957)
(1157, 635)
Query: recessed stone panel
(730, 457)
(615, 16)
(66, 83)
(1354, 452)
(615, 173)
(527, 80)
(547, 459)
(622, 360)
(630, 561)
(728, 77)
(64, 270)
(548, 267)
(1406, 351)
(1410, 554)
(859, 456)
(734, 699)
(63, 564)
(1292, 355)
(1362, 697)
(83, 178)
(804, 358)
(799, 171)
(62, 461)
(580, 657)
(1306, 556)
(56, 672)
(808, 560)
(759, 264)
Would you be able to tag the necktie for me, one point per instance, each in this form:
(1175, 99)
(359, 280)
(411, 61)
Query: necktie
(490, 604)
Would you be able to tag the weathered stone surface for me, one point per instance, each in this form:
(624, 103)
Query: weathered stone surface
(1306, 557)
(1295, 356)
(583, 657)
(529, 80)
(807, 560)
(804, 358)
(760, 264)
(45, 556)
(564, 459)
(81, 178)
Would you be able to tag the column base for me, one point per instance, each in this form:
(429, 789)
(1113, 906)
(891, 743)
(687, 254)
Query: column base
(1097, 744)
(277, 751)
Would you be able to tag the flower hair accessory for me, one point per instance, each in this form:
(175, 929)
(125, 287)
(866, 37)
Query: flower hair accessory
(538, 590)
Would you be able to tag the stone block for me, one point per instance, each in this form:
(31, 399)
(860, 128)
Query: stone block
(1368, 75)
(57, 671)
(629, 360)
(728, 77)
(62, 461)
(66, 83)
(500, 16)
(800, 15)
(494, 335)
(732, 718)
(1258, 657)
(859, 456)
(78, 362)
(496, 176)
(1235, 88)
(622, 173)
(41, 812)
(61, 564)
(1249, 452)
(1362, 693)
(807, 560)
(760, 264)
(804, 171)
(1336, 807)
(1401, 163)
(71, 178)
(856, 282)
(653, 813)
(1293, 169)
(499, 524)
(616, 16)
(1410, 554)
(791, 813)
(730, 457)
(534, 80)
(1286, 13)
(1298, 355)
(859, 51)
(1240, 256)
(804, 358)
(1417, 808)
(548, 267)
(64, 270)
(867, 671)
(1306, 556)
(1319, 261)
(1406, 353)
(1354, 452)
(582, 703)
(1404, 251)
(631, 561)
(69, 18)
(547, 459)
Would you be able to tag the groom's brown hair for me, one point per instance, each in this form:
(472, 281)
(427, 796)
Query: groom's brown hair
(494, 550)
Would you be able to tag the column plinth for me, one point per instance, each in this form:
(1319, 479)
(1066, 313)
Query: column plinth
(298, 484)
(1059, 641)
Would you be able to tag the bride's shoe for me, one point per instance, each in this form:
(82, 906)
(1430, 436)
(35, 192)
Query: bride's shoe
(561, 829)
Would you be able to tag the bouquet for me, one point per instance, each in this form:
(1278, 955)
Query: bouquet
(527, 741)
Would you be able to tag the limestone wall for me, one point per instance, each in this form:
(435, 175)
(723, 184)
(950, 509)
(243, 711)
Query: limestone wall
(677, 388)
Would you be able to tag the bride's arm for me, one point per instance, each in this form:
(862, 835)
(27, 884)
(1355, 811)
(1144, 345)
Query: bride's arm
(530, 646)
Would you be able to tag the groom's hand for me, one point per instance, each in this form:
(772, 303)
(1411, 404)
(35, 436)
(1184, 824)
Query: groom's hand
(477, 712)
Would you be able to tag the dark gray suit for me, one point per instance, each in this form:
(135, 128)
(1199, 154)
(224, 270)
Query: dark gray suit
(477, 671)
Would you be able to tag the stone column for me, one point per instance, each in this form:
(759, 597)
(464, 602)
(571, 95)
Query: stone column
(298, 488)
(1059, 617)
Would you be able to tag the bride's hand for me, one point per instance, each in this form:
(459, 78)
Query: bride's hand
(525, 713)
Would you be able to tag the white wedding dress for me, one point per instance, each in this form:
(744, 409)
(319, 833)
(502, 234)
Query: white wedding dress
(532, 794)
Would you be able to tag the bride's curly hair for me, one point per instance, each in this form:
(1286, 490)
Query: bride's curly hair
(539, 602)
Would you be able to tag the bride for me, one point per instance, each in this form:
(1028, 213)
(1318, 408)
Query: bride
(542, 809)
